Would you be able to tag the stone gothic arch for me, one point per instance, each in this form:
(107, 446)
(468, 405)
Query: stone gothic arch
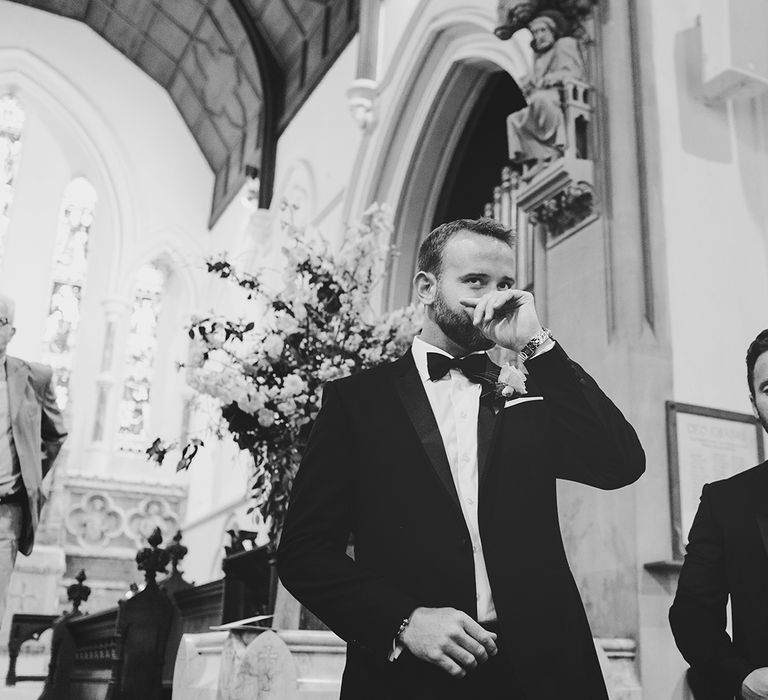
(435, 80)
(74, 119)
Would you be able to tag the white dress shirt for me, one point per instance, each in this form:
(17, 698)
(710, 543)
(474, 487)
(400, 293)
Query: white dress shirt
(455, 403)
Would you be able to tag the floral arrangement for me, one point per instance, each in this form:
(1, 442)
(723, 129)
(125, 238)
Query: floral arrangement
(511, 382)
(267, 376)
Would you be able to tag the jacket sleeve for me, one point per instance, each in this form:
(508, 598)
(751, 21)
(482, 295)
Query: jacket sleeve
(312, 561)
(52, 430)
(596, 444)
(698, 616)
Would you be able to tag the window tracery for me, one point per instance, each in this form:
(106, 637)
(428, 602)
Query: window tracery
(69, 272)
(142, 345)
(12, 117)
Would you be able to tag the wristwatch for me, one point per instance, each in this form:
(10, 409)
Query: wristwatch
(534, 343)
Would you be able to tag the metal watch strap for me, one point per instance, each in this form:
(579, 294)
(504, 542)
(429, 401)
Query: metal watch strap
(534, 343)
(402, 627)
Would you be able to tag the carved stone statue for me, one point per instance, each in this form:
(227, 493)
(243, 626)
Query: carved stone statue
(532, 133)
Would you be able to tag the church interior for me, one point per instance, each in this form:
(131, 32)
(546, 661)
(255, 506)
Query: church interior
(143, 140)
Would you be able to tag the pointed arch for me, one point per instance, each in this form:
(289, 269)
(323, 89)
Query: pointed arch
(162, 295)
(142, 348)
(70, 268)
(182, 263)
(78, 124)
(432, 84)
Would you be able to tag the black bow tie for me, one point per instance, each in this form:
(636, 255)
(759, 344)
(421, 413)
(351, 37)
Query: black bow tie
(472, 366)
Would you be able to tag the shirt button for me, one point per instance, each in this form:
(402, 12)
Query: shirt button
(471, 501)
(465, 458)
(463, 414)
(474, 548)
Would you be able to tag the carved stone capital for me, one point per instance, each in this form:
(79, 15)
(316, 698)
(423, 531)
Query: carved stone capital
(561, 198)
(361, 97)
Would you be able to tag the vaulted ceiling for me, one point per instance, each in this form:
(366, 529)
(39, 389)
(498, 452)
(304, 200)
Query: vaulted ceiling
(237, 70)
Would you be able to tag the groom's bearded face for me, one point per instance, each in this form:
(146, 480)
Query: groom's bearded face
(472, 266)
(760, 385)
(457, 324)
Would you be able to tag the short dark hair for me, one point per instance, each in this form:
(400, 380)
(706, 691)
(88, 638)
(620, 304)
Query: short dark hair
(756, 348)
(432, 247)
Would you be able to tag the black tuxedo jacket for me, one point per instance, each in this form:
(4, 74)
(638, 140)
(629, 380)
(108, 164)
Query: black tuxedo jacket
(376, 467)
(727, 555)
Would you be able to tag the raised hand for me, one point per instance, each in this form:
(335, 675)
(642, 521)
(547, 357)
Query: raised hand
(508, 317)
(448, 638)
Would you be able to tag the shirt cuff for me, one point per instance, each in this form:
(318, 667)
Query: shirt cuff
(397, 649)
(546, 346)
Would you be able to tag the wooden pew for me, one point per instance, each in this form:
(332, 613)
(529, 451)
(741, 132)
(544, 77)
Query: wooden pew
(129, 651)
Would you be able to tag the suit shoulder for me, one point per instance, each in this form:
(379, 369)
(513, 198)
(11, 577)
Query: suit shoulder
(740, 483)
(366, 379)
(40, 373)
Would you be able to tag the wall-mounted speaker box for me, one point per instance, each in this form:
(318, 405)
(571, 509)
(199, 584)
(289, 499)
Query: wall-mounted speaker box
(734, 42)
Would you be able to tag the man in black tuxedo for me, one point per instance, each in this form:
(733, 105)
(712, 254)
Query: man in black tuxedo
(459, 586)
(727, 555)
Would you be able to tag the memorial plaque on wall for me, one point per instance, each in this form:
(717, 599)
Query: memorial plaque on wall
(705, 444)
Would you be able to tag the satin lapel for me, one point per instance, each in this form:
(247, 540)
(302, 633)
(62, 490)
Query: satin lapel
(410, 389)
(17, 372)
(761, 506)
(488, 419)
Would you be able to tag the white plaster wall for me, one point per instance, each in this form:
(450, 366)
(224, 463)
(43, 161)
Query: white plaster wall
(323, 140)
(713, 182)
(707, 166)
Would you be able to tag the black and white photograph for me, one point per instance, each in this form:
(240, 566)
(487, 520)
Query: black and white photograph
(383, 349)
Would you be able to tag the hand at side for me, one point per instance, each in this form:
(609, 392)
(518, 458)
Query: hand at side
(755, 685)
(449, 639)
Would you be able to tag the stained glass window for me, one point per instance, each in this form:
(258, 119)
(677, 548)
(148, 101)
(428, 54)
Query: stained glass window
(11, 123)
(140, 361)
(69, 271)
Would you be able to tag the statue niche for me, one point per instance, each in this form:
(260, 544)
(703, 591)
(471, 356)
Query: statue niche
(556, 118)
(547, 190)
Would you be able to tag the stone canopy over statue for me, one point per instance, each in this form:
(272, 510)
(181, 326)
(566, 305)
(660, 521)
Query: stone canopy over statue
(535, 134)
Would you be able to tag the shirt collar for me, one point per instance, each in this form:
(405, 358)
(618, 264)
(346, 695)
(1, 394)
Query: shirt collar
(420, 348)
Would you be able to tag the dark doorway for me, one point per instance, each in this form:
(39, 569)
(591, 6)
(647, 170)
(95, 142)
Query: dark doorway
(481, 153)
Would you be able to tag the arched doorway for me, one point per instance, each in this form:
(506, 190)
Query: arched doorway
(456, 161)
(481, 152)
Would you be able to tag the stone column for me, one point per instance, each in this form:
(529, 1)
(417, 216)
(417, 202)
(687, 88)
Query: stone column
(363, 90)
(259, 237)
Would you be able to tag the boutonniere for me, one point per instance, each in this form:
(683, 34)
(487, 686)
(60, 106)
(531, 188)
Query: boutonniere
(511, 382)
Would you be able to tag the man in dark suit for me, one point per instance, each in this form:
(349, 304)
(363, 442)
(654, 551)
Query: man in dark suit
(31, 435)
(727, 555)
(444, 472)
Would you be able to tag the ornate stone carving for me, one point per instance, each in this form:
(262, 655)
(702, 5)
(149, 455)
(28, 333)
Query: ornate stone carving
(516, 14)
(95, 521)
(536, 134)
(266, 669)
(557, 122)
(361, 97)
(153, 512)
(564, 212)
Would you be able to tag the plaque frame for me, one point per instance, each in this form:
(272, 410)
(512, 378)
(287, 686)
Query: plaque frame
(673, 408)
